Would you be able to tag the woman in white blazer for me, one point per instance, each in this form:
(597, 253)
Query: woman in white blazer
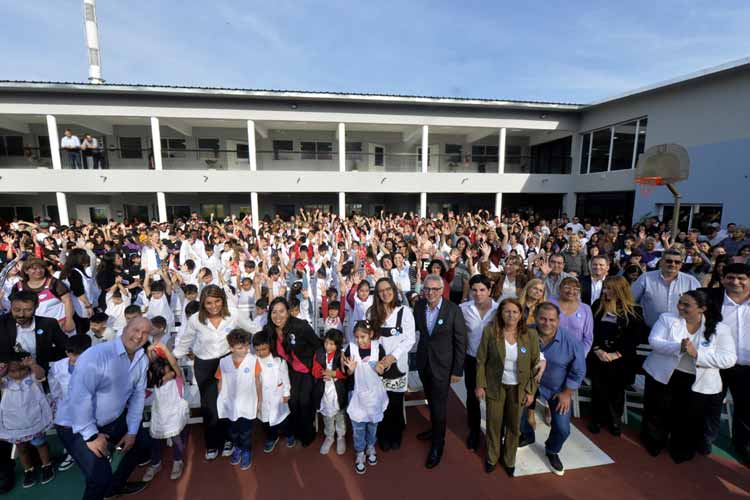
(682, 376)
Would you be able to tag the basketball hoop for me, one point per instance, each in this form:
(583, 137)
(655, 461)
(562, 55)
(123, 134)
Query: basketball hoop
(647, 185)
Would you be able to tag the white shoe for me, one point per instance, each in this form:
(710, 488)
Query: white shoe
(326, 446)
(227, 451)
(177, 470)
(359, 463)
(372, 457)
(66, 464)
(211, 454)
(341, 445)
(151, 472)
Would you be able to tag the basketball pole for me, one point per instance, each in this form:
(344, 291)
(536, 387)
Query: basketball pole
(676, 214)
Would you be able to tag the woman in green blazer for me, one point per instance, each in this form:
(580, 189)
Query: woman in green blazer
(507, 355)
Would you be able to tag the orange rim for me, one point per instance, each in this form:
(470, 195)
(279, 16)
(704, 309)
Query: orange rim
(650, 181)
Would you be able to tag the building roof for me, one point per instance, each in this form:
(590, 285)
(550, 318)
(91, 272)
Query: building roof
(193, 91)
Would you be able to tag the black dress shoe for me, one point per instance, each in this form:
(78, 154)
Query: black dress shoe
(385, 445)
(433, 458)
(129, 488)
(594, 428)
(524, 442)
(425, 436)
(511, 471)
(472, 442)
(615, 429)
(488, 467)
(396, 445)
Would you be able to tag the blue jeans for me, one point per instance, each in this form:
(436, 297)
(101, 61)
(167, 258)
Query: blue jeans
(179, 444)
(74, 159)
(558, 434)
(241, 433)
(100, 481)
(364, 434)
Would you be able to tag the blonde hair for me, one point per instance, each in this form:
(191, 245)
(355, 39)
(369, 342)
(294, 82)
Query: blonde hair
(623, 304)
(524, 296)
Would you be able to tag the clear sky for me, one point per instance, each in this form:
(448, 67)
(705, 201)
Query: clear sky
(568, 51)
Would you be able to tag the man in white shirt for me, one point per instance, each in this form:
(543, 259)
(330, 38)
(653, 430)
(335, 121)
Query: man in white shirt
(591, 286)
(734, 300)
(478, 312)
(576, 225)
(72, 147)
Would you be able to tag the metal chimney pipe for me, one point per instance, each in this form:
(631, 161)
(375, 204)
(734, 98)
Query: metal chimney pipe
(92, 41)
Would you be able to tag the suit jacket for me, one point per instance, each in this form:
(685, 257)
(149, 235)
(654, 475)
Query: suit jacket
(443, 351)
(491, 363)
(50, 343)
(585, 282)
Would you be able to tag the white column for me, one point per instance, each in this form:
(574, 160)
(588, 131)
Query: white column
(425, 148)
(254, 210)
(499, 205)
(501, 152)
(161, 204)
(251, 146)
(54, 144)
(342, 205)
(342, 148)
(423, 204)
(62, 209)
(156, 143)
(569, 204)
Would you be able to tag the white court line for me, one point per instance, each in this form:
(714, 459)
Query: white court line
(578, 451)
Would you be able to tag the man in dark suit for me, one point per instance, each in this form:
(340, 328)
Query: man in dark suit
(440, 358)
(41, 337)
(591, 285)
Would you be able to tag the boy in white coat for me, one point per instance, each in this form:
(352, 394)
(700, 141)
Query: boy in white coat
(239, 395)
(275, 390)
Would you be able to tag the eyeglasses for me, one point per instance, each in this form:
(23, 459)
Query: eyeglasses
(673, 262)
(386, 289)
(431, 289)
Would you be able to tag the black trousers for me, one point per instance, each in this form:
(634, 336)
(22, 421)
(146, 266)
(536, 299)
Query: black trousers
(736, 380)
(674, 416)
(214, 429)
(302, 411)
(473, 413)
(272, 431)
(391, 428)
(241, 433)
(436, 392)
(607, 391)
(7, 467)
(82, 324)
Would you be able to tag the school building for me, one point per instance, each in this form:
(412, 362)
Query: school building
(169, 151)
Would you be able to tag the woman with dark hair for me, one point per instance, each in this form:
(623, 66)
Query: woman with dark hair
(393, 325)
(205, 339)
(84, 288)
(110, 267)
(55, 300)
(631, 273)
(507, 283)
(295, 341)
(507, 356)
(682, 376)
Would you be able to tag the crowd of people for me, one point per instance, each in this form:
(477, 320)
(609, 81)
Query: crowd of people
(321, 315)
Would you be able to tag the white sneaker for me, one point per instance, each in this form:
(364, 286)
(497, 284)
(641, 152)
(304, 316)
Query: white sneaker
(341, 445)
(66, 464)
(326, 446)
(359, 463)
(211, 454)
(372, 457)
(227, 451)
(177, 467)
(151, 472)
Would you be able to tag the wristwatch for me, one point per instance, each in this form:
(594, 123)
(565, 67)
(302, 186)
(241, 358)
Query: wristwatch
(92, 438)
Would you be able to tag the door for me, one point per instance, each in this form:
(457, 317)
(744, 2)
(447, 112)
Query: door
(433, 158)
(98, 214)
(376, 161)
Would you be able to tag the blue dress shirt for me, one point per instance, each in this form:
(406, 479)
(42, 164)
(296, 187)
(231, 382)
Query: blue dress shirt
(566, 365)
(104, 382)
(431, 316)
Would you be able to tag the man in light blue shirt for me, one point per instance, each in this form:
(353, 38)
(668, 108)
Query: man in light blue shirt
(658, 291)
(107, 393)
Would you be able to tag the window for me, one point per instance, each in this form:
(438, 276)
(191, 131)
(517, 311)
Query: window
(484, 154)
(623, 146)
(208, 149)
(453, 151)
(210, 208)
(139, 212)
(178, 212)
(512, 154)
(173, 148)
(316, 150)
(243, 152)
(11, 145)
(613, 148)
(379, 156)
(282, 150)
(354, 150)
(130, 148)
(694, 216)
(600, 150)
(44, 150)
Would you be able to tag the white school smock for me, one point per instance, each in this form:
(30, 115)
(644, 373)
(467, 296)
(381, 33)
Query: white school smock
(91, 290)
(369, 398)
(161, 307)
(169, 411)
(275, 386)
(238, 397)
(329, 403)
(24, 410)
(358, 313)
(398, 345)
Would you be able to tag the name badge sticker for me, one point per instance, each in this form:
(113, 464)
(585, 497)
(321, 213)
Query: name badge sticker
(440, 322)
(705, 343)
(523, 350)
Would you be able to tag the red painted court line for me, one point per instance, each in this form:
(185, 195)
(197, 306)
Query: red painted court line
(298, 473)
